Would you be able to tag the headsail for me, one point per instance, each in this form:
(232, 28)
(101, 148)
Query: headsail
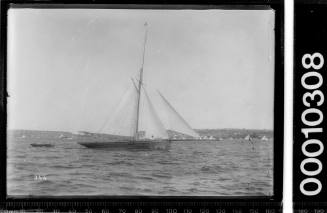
(172, 120)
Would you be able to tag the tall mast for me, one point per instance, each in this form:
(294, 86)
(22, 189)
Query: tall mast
(140, 85)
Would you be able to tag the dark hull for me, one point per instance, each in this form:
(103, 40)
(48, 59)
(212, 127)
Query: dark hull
(41, 145)
(123, 145)
(197, 140)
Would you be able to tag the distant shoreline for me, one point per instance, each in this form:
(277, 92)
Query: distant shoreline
(220, 134)
(222, 129)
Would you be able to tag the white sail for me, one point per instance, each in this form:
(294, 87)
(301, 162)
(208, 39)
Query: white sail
(137, 118)
(149, 122)
(122, 121)
(172, 120)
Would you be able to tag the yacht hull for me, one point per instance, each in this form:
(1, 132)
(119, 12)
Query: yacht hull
(125, 145)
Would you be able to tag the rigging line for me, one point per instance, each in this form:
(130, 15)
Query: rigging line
(154, 111)
(134, 84)
(140, 84)
(145, 39)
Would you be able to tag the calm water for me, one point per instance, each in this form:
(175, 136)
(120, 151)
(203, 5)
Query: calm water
(220, 168)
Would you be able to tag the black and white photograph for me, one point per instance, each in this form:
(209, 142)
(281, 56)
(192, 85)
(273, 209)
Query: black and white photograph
(140, 102)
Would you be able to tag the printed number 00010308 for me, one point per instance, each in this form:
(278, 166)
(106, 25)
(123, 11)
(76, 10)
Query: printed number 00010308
(314, 95)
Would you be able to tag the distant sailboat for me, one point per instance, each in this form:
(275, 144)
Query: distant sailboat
(137, 124)
(264, 138)
(248, 138)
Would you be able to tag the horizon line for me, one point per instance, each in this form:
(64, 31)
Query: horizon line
(227, 128)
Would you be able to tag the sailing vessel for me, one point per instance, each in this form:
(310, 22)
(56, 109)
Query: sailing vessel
(137, 124)
(41, 145)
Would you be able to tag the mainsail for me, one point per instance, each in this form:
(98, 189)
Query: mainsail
(122, 121)
(172, 120)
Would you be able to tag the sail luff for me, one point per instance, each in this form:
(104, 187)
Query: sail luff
(156, 127)
(184, 127)
(139, 88)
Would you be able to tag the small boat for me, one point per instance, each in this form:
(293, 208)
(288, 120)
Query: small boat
(41, 145)
(264, 138)
(63, 137)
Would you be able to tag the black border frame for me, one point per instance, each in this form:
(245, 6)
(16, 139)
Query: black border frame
(309, 26)
(83, 202)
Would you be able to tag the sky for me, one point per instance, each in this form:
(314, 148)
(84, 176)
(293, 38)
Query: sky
(69, 68)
